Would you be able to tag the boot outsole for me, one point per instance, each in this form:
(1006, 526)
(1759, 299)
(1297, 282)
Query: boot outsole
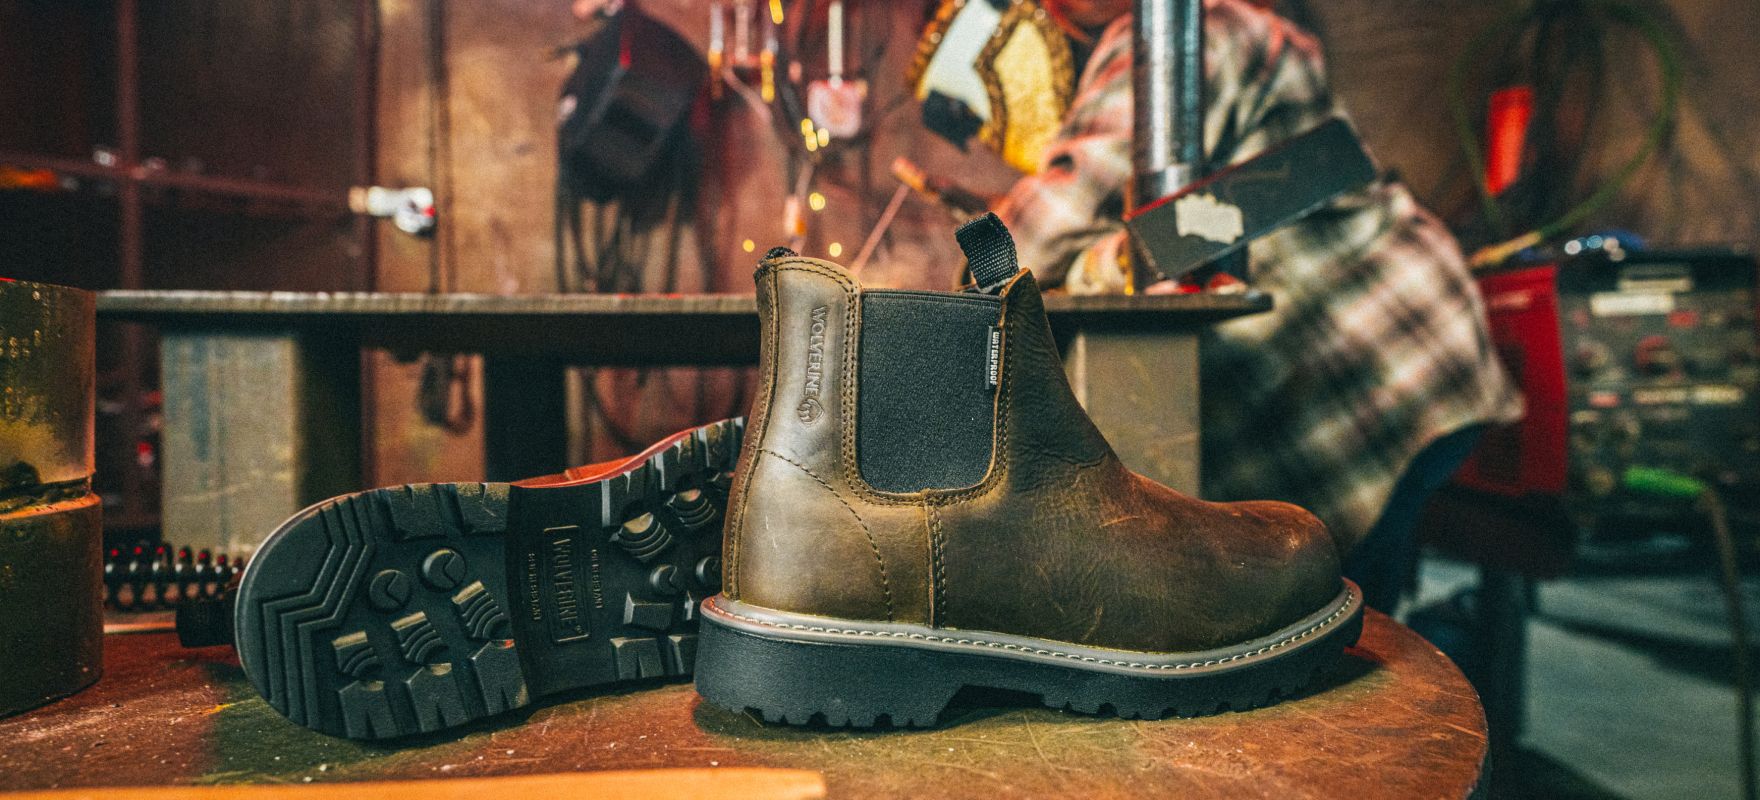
(811, 671)
(419, 608)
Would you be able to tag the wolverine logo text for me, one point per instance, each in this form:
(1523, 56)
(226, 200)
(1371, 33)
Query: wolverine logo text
(809, 408)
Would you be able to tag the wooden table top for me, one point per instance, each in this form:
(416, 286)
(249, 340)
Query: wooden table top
(1399, 722)
(586, 328)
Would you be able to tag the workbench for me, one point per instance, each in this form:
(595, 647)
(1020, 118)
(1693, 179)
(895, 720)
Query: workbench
(1398, 721)
(262, 390)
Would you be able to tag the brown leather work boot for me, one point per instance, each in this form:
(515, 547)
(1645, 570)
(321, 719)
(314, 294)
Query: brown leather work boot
(922, 506)
(413, 609)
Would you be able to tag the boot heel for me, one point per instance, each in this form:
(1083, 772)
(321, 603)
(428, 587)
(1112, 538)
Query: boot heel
(809, 682)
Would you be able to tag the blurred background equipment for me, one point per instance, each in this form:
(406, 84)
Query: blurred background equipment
(1640, 444)
(1629, 360)
(1191, 220)
(625, 146)
(835, 104)
(51, 618)
(198, 586)
(633, 82)
(152, 576)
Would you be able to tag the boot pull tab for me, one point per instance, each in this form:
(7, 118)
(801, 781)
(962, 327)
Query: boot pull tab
(989, 252)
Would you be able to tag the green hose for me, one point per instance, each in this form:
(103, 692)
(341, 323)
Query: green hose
(1664, 484)
(1672, 486)
(1667, 60)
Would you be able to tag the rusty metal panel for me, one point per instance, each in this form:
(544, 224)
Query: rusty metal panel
(51, 595)
(257, 426)
(47, 362)
(51, 601)
(260, 91)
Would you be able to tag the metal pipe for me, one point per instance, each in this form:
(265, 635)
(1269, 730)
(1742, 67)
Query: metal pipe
(1167, 81)
(320, 202)
(131, 270)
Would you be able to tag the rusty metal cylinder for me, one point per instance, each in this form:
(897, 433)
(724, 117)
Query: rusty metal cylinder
(51, 536)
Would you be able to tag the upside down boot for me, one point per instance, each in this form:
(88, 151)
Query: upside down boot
(922, 506)
(413, 609)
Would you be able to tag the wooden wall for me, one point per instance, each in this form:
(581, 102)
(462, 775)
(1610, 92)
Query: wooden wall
(1389, 60)
(496, 229)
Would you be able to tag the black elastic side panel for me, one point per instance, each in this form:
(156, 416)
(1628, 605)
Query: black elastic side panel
(926, 404)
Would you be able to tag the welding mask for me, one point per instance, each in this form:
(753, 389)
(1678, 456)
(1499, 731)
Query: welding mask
(634, 82)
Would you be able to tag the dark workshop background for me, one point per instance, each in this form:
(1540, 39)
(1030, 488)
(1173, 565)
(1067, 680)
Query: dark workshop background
(283, 105)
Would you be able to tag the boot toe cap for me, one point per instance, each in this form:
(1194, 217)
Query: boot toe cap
(1303, 532)
(1299, 559)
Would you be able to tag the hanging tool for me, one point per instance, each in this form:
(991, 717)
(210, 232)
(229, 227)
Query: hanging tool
(1209, 221)
(834, 104)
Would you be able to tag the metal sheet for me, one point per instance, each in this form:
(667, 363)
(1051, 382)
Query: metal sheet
(1220, 214)
(257, 426)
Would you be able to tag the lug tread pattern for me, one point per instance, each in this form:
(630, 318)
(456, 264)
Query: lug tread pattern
(481, 616)
(436, 697)
(1243, 700)
(483, 507)
(637, 658)
(681, 650)
(694, 508)
(417, 638)
(499, 677)
(643, 614)
(422, 511)
(355, 655)
(395, 671)
(645, 538)
(366, 711)
(288, 622)
(432, 510)
(376, 639)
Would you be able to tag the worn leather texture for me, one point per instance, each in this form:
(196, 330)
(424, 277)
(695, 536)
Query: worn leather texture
(1058, 541)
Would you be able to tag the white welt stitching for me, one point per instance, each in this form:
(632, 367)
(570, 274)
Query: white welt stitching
(1350, 600)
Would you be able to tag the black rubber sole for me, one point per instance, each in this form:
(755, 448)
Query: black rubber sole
(418, 608)
(811, 671)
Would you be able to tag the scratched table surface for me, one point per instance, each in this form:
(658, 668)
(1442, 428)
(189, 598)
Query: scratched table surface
(1397, 721)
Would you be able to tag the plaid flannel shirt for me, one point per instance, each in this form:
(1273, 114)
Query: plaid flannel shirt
(1376, 346)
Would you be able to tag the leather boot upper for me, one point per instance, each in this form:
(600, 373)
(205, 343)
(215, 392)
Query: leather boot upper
(1058, 541)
